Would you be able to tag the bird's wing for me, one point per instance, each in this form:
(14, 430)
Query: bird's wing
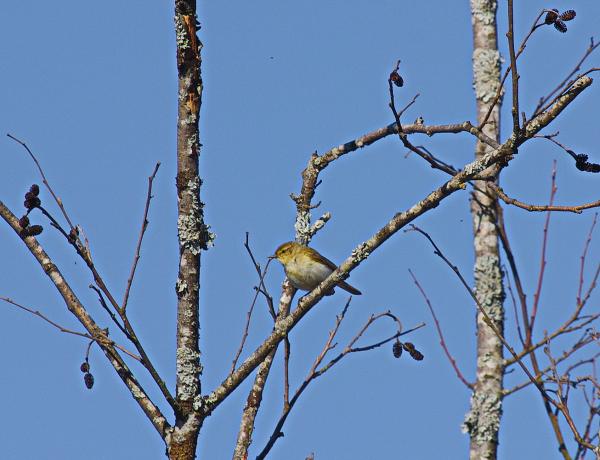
(322, 259)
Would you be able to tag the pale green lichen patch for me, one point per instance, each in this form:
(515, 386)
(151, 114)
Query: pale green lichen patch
(181, 35)
(320, 223)
(192, 142)
(484, 11)
(194, 234)
(302, 226)
(486, 74)
(483, 420)
(490, 293)
(198, 403)
(137, 393)
(317, 162)
(180, 286)
(360, 253)
(188, 369)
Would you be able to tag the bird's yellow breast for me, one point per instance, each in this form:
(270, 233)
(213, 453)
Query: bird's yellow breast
(305, 273)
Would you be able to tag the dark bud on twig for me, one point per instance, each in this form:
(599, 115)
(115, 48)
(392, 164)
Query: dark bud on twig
(581, 163)
(89, 380)
(396, 79)
(412, 351)
(31, 201)
(408, 346)
(560, 26)
(35, 189)
(73, 234)
(34, 230)
(397, 349)
(551, 17)
(558, 20)
(85, 367)
(568, 15)
(24, 222)
(417, 355)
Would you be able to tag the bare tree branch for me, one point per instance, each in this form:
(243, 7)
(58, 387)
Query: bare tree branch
(76, 308)
(458, 182)
(577, 209)
(317, 370)
(64, 329)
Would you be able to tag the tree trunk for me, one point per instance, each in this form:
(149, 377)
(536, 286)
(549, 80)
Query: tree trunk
(483, 420)
(194, 235)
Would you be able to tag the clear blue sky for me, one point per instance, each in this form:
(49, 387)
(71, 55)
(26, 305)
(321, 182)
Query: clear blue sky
(92, 88)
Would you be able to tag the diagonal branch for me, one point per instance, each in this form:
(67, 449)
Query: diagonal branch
(84, 253)
(74, 305)
(207, 404)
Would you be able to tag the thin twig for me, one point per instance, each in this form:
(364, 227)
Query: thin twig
(538, 291)
(488, 320)
(503, 235)
(516, 313)
(566, 354)
(583, 257)
(567, 327)
(581, 160)
(440, 334)
(522, 47)
(402, 135)
(136, 257)
(561, 403)
(286, 371)
(257, 291)
(510, 35)
(261, 276)
(44, 180)
(577, 209)
(590, 49)
(64, 329)
(108, 310)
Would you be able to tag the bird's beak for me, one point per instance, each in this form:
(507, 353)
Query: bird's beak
(272, 257)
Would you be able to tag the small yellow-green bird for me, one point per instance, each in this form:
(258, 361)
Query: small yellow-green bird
(306, 268)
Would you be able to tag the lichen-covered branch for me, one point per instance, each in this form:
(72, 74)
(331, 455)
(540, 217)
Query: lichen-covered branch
(254, 399)
(194, 234)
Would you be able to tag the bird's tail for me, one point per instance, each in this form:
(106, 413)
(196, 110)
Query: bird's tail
(346, 287)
